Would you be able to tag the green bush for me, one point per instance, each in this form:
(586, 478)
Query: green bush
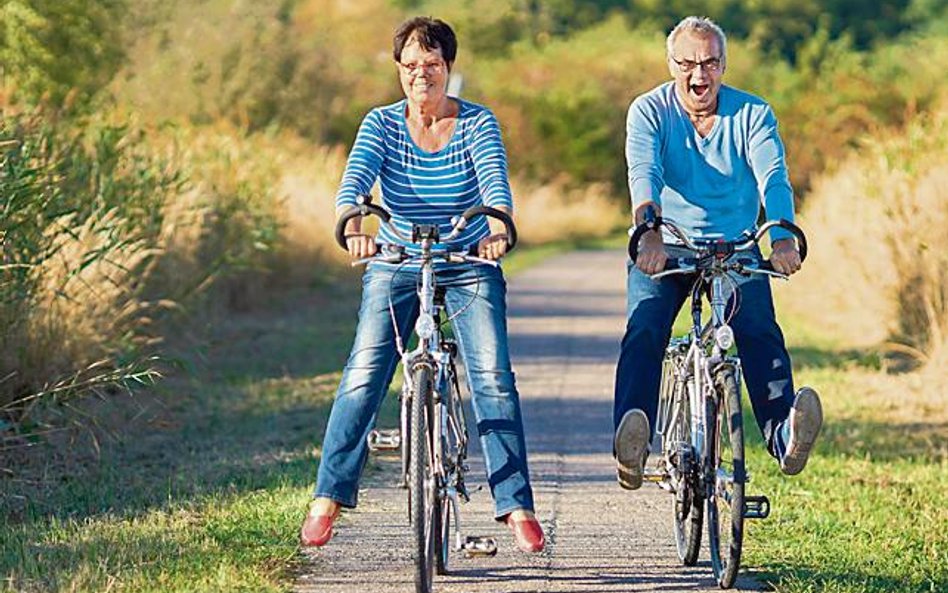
(58, 50)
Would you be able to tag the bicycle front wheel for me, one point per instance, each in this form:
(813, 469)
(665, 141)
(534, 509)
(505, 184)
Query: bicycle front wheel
(726, 498)
(421, 486)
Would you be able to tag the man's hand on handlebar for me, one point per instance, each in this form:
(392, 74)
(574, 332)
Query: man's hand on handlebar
(785, 257)
(652, 254)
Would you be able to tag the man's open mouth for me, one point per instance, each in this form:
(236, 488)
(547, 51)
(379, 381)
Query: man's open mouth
(699, 90)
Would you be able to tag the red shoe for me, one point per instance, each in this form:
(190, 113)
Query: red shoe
(317, 529)
(527, 533)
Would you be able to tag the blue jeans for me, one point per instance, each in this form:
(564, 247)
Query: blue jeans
(479, 293)
(652, 308)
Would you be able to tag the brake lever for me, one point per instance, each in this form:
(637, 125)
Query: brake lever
(392, 258)
(472, 259)
(672, 272)
(771, 273)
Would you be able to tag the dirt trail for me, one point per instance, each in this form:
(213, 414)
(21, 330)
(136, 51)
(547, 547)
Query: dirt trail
(566, 320)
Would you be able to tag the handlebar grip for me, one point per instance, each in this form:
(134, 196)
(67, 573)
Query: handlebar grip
(500, 215)
(798, 233)
(361, 210)
(637, 236)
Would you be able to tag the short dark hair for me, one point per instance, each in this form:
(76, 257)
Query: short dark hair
(431, 34)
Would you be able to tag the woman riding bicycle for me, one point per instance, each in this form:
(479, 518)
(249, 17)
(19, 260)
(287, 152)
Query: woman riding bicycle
(434, 156)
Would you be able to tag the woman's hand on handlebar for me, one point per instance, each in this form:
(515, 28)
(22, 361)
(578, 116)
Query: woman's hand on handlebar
(360, 245)
(493, 247)
(785, 257)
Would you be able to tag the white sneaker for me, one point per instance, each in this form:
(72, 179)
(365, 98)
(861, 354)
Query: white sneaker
(805, 421)
(631, 446)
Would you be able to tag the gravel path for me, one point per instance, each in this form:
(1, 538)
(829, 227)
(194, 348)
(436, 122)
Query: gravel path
(566, 320)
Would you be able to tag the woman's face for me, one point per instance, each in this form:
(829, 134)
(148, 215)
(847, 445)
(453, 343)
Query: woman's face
(423, 73)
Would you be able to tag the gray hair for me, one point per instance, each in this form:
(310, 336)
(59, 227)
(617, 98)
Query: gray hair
(701, 25)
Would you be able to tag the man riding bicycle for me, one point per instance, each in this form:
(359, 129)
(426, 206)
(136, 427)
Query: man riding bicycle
(707, 156)
(435, 156)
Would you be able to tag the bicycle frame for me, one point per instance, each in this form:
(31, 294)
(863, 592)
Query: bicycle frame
(433, 433)
(448, 415)
(697, 368)
(699, 355)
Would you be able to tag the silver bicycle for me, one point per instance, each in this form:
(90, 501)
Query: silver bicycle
(432, 437)
(699, 429)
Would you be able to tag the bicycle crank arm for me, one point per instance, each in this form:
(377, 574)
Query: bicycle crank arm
(756, 507)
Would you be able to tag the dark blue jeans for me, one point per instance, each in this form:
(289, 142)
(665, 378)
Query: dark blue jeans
(479, 293)
(652, 308)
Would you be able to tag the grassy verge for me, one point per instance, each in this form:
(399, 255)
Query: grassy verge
(869, 513)
(203, 486)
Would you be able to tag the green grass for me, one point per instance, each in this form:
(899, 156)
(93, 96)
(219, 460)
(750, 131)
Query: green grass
(869, 513)
(204, 489)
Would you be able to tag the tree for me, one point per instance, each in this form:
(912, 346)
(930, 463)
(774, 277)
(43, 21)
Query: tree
(51, 50)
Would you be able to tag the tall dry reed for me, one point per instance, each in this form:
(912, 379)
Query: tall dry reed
(878, 230)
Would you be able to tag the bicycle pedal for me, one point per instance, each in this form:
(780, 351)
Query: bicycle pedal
(476, 546)
(654, 475)
(756, 507)
(384, 440)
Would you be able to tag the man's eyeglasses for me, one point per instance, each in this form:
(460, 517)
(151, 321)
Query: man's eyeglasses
(709, 65)
(434, 67)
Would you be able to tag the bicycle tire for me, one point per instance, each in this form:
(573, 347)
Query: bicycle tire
(726, 499)
(442, 531)
(687, 507)
(404, 426)
(421, 503)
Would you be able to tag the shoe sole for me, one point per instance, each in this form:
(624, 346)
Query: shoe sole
(631, 444)
(806, 420)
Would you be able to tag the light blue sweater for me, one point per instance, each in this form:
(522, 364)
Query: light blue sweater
(712, 186)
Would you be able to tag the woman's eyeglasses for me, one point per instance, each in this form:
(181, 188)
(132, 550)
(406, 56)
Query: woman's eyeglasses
(434, 67)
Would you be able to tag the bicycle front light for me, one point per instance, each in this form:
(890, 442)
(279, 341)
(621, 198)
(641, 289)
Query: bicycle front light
(425, 327)
(724, 336)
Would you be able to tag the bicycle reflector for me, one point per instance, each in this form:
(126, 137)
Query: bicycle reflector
(724, 336)
(425, 327)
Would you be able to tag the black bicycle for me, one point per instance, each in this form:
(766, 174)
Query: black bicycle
(432, 437)
(700, 423)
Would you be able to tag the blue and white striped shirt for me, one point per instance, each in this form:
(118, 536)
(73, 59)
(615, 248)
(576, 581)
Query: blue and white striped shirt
(429, 187)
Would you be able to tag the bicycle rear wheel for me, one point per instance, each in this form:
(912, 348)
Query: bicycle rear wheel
(726, 499)
(675, 426)
(421, 490)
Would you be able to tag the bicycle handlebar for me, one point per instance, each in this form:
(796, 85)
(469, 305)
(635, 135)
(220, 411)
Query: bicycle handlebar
(366, 208)
(718, 248)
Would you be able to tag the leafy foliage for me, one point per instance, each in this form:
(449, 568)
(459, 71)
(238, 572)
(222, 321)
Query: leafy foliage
(54, 50)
